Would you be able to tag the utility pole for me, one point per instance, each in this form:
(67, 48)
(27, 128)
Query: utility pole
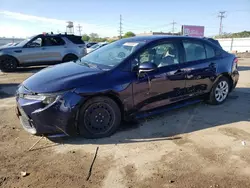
(120, 27)
(221, 16)
(79, 28)
(173, 23)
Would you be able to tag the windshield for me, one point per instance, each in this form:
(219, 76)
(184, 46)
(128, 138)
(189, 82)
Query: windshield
(112, 54)
(22, 43)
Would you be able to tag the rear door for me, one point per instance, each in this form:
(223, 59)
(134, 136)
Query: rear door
(200, 66)
(53, 48)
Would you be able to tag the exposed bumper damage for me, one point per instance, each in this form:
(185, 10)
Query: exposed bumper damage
(56, 118)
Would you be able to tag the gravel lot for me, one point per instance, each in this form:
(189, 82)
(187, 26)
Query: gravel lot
(196, 146)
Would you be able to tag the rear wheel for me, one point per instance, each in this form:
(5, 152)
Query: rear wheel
(8, 63)
(99, 117)
(220, 91)
(69, 57)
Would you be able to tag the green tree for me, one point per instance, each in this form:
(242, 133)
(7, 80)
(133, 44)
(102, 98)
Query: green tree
(129, 34)
(101, 39)
(94, 37)
(85, 37)
(242, 34)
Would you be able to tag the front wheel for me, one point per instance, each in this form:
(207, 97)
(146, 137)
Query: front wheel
(99, 117)
(219, 92)
(8, 63)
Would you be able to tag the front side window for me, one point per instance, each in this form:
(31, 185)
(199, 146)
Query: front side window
(164, 54)
(112, 54)
(36, 42)
(194, 51)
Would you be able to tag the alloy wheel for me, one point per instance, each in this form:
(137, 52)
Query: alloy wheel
(221, 91)
(8, 63)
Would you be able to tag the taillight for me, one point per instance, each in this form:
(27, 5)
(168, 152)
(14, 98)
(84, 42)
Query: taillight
(235, 64)
(236, 60)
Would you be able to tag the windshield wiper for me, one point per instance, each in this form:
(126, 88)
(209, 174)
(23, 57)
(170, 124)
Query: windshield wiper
(94, 66)
(82, 63)
(90, 65)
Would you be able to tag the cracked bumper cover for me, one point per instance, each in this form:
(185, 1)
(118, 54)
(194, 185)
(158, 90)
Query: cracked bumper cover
(58, 117)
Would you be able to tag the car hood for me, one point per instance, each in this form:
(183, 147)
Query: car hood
(8, 47)
(60, 77)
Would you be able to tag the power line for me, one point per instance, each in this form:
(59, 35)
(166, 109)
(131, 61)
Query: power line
(79, 28)
(120, 27)
(221, 16)
(173, 23)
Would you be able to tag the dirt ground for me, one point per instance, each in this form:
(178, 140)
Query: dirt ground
(196, 146)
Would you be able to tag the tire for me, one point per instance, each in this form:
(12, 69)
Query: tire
(99, 117)
(219, 92)
(69, 57)
(8, 64)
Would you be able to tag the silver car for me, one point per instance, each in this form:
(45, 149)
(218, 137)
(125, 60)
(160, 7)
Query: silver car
(43, 49)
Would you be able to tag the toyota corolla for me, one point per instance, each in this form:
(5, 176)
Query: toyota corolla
(127, 79)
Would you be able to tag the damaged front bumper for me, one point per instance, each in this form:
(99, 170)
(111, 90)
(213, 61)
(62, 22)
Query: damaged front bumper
(59, 117)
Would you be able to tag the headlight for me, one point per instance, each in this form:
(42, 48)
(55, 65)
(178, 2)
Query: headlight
(46, 99)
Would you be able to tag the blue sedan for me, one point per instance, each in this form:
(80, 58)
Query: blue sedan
(124, 80)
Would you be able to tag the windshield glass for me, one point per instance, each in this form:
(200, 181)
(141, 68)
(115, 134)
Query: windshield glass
(22, 43)
(112, 54)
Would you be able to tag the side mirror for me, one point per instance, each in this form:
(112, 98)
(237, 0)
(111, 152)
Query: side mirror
(147, 67)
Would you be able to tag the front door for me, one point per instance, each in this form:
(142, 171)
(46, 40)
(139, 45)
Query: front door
(42, 50)
(32, 51)
(199, 65)
(163, 85)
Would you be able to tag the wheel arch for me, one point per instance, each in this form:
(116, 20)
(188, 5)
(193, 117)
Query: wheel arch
(228, 76)
(7, 55)
(69, 54)
(110, 95)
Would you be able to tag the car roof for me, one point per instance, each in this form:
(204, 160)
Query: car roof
(157, 37)
(54, 35)
(152, 38)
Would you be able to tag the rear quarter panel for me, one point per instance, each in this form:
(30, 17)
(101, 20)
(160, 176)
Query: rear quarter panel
(71, 48)
(224, 64)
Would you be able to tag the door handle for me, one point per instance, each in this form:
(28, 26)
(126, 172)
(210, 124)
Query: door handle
(43, 48)
(18, 51)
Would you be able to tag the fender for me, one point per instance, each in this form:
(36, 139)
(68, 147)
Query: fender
(7, 55)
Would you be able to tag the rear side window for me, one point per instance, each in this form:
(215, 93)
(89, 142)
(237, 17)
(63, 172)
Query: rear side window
(210, 51)
(52, 41)
(194, 50)
(57, 41)
(75, 39)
